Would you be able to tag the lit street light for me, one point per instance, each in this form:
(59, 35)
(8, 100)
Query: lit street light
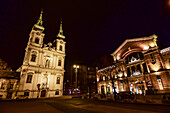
(76, 67)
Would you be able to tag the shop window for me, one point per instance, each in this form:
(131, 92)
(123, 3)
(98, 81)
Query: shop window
(37, 40)
(58, 80)
(26, 93)
(33, 58)
(61, 48)
(29, 79)
(57, 92)
(59, 62)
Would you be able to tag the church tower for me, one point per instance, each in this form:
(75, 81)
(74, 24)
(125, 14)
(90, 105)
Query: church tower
(42, 72)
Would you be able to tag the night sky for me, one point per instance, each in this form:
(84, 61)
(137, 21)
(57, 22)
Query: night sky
(93, 28)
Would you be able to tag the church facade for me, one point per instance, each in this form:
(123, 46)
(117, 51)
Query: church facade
(139, 67)
(42, 71)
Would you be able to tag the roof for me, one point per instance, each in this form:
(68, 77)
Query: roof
(135, 43)
(9, 74)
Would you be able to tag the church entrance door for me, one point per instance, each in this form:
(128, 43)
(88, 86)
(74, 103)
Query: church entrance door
(43, 93)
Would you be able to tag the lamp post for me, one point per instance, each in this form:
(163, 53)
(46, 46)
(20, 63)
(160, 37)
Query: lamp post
(76, 69)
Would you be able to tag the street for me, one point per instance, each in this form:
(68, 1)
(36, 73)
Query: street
(58, 105)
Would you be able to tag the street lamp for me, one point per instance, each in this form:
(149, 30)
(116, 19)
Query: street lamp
(76, 67)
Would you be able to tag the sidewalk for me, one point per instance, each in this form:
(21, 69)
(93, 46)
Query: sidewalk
(137, 101)
(134, 101)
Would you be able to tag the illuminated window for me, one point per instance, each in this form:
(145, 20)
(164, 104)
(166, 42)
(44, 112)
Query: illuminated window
(160, 83)
(37, 40)
(103, 77)
(58, 80)
(121, 86)
(61, 48)
(29, 79)
(57, 92)
(59, 62)
(33, 58)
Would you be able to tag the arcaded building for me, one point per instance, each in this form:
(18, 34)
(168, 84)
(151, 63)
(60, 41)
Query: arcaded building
(42, 71)
(139, 66)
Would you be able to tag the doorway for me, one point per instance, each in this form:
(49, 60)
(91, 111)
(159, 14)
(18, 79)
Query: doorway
(43, 93)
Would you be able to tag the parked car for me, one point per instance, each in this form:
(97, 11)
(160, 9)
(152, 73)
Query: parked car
(125, 95)
(21, 97)
(97, 96)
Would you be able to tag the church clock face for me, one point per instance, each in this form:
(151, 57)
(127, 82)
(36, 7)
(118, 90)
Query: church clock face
(61, 42)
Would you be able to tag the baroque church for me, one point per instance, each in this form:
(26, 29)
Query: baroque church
(42, 71)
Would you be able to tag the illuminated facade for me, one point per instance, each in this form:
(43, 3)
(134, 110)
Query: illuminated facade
(8, 81)
(42, 71)
(139, 66)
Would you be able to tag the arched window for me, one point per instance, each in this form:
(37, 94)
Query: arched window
(47, 63)
(33, 58)
(59, 62)
(61, 48)
(37, 40)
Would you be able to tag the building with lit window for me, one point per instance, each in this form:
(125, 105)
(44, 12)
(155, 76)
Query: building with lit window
(42, 71)
(139, 66)
(8, 81)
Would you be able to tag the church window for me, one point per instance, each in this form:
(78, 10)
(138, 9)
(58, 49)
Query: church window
(11, 86)
(29, 79)
(31, 40)
(2, 86)
(47, 63)
(37, 40)
(57, 92)
(26, 93)
(38, 33)
(33, 57)
(103, 77)
(61, 48)
(58, 80)
(59, 62)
